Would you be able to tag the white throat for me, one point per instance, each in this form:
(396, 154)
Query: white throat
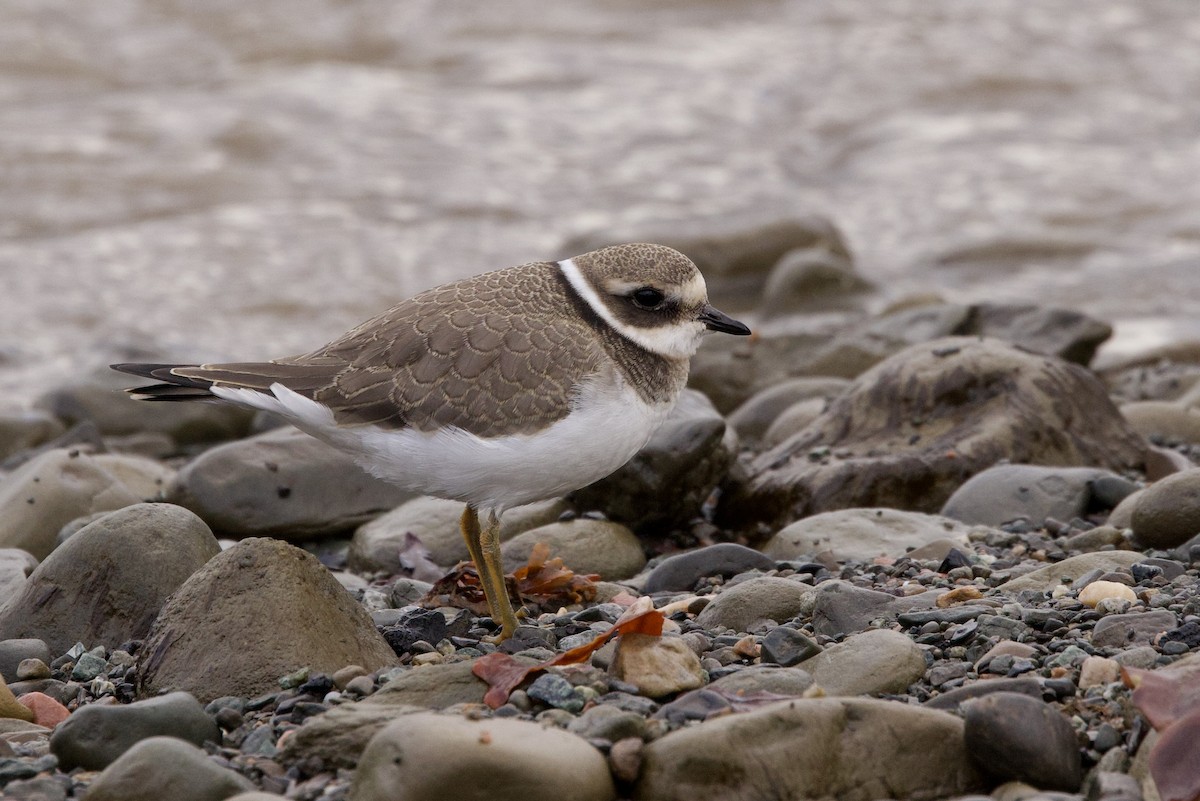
(674, 340)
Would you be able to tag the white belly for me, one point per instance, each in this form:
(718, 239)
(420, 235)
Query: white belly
(608, 425)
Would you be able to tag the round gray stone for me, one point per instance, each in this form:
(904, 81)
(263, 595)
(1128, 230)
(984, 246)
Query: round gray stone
(755, 601)
(166, 767)
(681, 571)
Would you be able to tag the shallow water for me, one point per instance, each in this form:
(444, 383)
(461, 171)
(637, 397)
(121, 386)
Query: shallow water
(248, 180)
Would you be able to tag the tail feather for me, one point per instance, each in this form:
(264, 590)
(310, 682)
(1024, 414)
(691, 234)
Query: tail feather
(187, 382)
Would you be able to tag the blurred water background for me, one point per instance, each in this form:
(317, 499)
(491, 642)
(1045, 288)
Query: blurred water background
(232, 179)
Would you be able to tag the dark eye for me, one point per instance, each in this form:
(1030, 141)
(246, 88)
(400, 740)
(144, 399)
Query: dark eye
(647, 298)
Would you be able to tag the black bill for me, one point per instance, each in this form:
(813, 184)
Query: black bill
(715, 320)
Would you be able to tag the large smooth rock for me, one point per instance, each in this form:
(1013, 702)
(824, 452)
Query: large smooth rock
(909, 431)
(1012, 737)
(430, 757)
(849, 749)
(255, 612)
(434, 521)
(1004, 493)
(875, 661)
(586, 546)
(1163, 420)
(99, 398)
(840, 607)
(862, 534)
(1168, 511)
(669, 479)
(60, 485)
(166, 767)
(95, 736)
(751, 603)
(107, 583)
(282, 483)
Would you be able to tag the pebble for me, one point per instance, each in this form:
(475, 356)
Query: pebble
(421, 755)
(1097, 671)
(1097, 591)
(657, 666)
(786, 646)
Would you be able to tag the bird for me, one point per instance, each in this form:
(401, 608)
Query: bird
(497, 390)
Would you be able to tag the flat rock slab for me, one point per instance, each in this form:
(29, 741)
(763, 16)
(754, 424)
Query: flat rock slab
(912, 429)
(1004, 493)
(849, 749)
(429, 757)
(862, 534)
(257, 611)
(282, 483)
(107, 583)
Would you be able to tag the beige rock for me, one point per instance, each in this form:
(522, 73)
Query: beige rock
(1167, 513)
(863, 534)
(106, 584)
(755, 601)
(434, 521)
(51, 490)
(849, 749)
(427, 756)
(657, 666)
(1098, 670)
(1052, 575)
(875, 661)
(585, 546)
(1097, 591)
(26, 428)
(1172, 422)
(274, 605)
(792, 420)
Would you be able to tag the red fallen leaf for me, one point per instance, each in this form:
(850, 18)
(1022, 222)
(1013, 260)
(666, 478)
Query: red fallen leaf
(1174, 757)
(1164, 696)
(504, 674)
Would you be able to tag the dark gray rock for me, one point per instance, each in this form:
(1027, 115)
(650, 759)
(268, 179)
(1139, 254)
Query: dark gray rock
(908, 432)
(1012, 737)
(1064, 333)
(669, 479)
(166, 767)
(1004, 493)
(283, 484)
(786, 647)
(106, 584)
(953, 699)
(94, 736)
(13, 652)
(282, 608)
(680, 572)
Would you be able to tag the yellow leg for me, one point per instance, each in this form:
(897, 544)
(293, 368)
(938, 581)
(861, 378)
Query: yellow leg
(484, 547)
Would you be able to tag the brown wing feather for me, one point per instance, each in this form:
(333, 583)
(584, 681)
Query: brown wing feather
(445, 357)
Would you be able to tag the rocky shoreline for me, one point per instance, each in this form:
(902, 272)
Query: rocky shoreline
(916, 552)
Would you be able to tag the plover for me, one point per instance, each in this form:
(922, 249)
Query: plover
(498, 390)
